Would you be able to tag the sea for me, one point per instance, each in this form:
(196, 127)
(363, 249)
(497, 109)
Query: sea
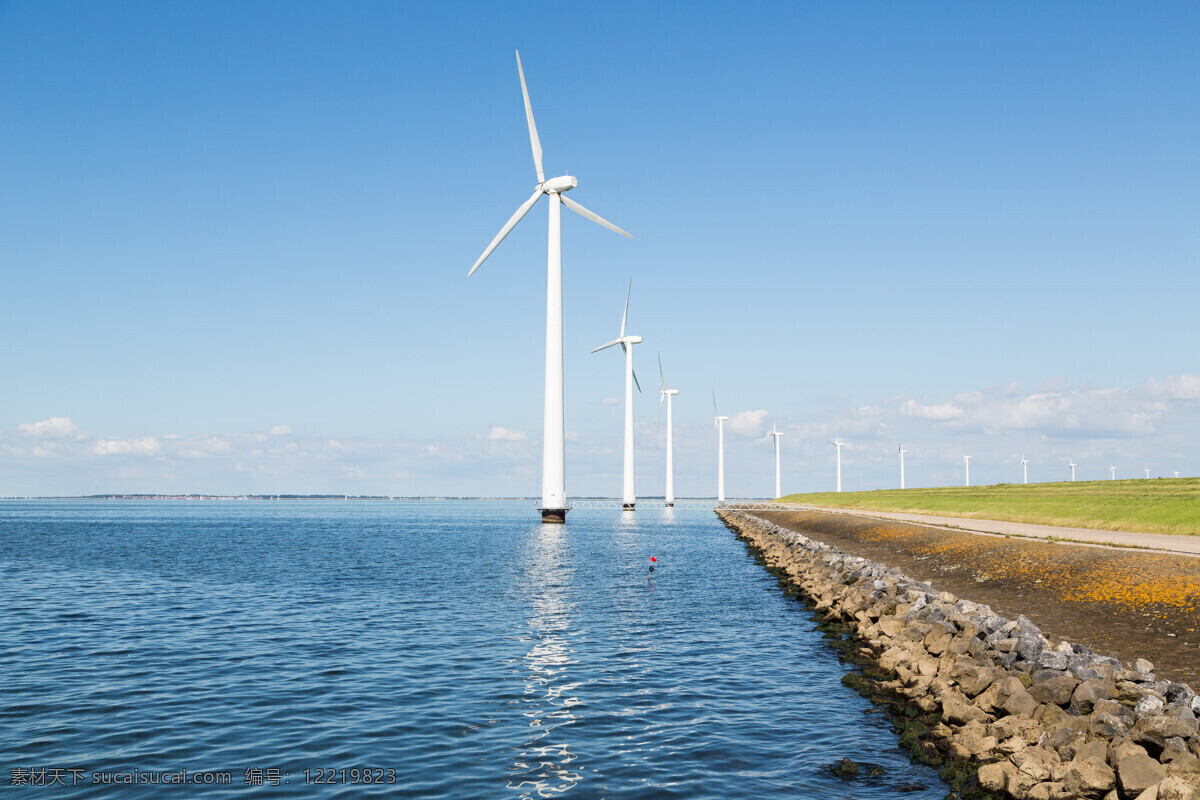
(453, 649)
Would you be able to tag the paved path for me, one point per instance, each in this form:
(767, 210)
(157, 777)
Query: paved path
(1174, 543)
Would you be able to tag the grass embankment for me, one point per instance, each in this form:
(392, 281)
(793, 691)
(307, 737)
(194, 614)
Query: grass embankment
(1148, 506)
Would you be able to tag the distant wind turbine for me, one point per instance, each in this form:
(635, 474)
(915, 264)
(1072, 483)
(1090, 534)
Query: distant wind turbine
(1025, 467)
(775, 434)
(967, 464)
(1147, 473)
(554, 492)
(1176, 473)
(666, 394)
(838, 443)
(1073, 465)
(628, 495)
(719, 425)
(901, 451)
(1113, 471)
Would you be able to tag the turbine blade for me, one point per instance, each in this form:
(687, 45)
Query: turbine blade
(534, 142)
(661, 399)
(625, 314)
(583, 212)
(714, 403)
(635, 380)
(610, 344)
(508, 226)
(662, 381)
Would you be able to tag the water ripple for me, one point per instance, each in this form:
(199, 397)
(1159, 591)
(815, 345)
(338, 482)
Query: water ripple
(467, 648)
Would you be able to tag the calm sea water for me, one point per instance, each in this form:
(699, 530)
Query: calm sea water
(457, 649)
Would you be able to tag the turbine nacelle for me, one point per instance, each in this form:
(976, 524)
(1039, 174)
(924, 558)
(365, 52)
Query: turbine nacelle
(559, 185)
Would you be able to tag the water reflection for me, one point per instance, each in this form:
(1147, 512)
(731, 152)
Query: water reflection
(542, 767)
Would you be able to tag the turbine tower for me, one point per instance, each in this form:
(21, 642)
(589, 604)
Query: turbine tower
(1025, 467)
(837, 443)
(1073, 465)
(719, 425)
(666, 394)
(967, 465)
(554, 492)
(1147, 473)
(1113, 471)
(775, 434)
(628, 495)
(901, 451)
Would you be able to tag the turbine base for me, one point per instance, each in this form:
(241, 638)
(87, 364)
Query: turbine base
(627, 506)
(554, 515)
(670, 505)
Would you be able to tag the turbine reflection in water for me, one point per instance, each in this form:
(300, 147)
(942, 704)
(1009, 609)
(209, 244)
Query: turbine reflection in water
(542, 768)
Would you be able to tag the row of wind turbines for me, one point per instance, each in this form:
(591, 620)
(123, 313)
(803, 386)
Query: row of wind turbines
(554, 504)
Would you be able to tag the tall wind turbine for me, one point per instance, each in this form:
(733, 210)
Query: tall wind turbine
(554, 492)
(775, 434)
(666, 394)
(837, 443)
(901, 451)
(967, 465)
(719, 425)
(1025, 467)
(628, 496)
(1073, 465)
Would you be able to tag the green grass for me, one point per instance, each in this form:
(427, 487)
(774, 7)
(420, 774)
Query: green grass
(1151, 506)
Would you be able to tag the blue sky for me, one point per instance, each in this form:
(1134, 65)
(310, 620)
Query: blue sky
(235, 239)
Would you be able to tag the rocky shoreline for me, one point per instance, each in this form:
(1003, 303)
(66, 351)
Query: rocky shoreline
(1033, 719)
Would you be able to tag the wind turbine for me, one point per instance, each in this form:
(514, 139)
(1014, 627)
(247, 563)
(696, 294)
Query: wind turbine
(628, 496)
(554, 492)
(1073, 465)
(1147, 473)
(775, 434)
(837, 442)
(901, 451)
(719, 425)
(967, 464)
(1025, 467)
(1113, 471)
(666, 394)
(1176, 473)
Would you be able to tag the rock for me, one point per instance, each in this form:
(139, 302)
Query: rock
(1137, 772)
(958, 711)
(1153, 732)
(1048, 791)
(1089, 777)
(1057, 690)
(1051, 660)
(1149, 794)
(1179, 787)
(1036, 762)
(1020, 704)
(1108, 726)
(992, 777)
(1084, 698)
(1148, 706)
(1142, 665)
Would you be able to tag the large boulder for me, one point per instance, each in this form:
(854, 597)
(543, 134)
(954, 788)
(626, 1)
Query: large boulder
(1057, 690)
(1137, 772)
(1087, 693)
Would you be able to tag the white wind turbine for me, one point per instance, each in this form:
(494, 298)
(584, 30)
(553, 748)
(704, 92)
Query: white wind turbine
(554, 493)
(900, 449)
(775, 434)
(628, 496)
(967, 466)
(1025, 467)
(666, 394)
(838, 443)
(1147, 473)
(1073, 465)
(1113, 472)
(719, 425)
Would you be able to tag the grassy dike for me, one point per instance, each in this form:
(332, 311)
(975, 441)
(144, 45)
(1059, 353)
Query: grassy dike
(1147, 506)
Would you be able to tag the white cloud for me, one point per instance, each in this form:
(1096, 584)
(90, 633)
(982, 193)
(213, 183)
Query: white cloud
(206, 447)
(1185, 387)
(334, 444)
(53, 428)
(609, 401)
(945, 411)
(146, 446)
(748, 423)
(498, 434)
(281, 430)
